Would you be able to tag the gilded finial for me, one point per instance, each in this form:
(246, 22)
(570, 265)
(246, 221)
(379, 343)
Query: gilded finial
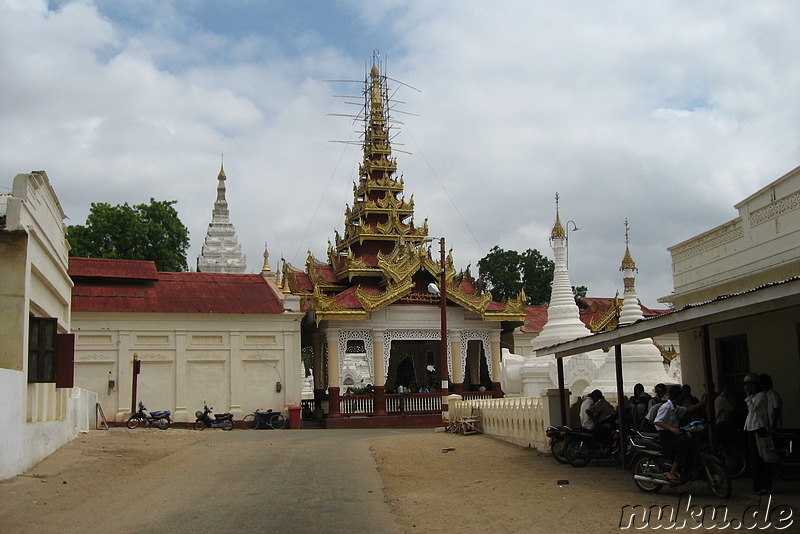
(558, 229)
(221, 175)
(627, 261)
(265, 268)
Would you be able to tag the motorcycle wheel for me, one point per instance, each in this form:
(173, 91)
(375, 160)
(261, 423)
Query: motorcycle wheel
(735, 461)
(278, 422)
(559, 450)
(162, 424)
(132, 422)
(644, 466)
(573, 454)
(718, 480)
(227, 424)
(249, 422)
(199, 425)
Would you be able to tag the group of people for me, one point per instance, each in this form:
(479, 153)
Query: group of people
(668, 409)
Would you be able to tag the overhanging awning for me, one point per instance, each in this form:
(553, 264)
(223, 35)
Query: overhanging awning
(765, 299)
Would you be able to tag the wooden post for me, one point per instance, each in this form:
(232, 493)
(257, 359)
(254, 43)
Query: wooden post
(137, 367)
(620, 404)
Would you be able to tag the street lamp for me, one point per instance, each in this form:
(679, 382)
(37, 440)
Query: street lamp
(566, 235)
(441, 291)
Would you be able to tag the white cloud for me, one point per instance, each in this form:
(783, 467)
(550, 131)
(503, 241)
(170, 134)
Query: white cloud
(666, 113)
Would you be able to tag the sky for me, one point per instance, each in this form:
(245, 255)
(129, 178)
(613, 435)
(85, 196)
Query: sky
(664, 113)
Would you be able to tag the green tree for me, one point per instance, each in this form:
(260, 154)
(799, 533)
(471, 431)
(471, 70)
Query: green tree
(506, 272)
(142, 232)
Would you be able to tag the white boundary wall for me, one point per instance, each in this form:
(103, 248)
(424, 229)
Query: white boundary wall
(520, 420)
(23, 444)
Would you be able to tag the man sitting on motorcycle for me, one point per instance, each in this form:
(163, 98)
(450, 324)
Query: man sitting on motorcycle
(672, 438)
(601, 413)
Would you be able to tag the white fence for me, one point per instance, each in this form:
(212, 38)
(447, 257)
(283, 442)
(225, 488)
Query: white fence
(520, 420)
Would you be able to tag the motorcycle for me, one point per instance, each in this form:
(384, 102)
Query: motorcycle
(651, 465)
(582, 446)
(159, 419)
(558, 438)
(221, 420)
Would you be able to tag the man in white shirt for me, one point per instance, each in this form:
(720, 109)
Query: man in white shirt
(587, 421)
(757, 424)
(672, 438)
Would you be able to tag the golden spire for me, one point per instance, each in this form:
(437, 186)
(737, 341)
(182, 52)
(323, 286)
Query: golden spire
(627, 261)
(265, 268)
(221, 175)
(558, 230)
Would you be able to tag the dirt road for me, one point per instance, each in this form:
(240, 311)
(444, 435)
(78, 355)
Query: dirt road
(107, 481)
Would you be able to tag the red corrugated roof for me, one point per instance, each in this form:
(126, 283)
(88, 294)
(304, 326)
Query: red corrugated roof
(592, 309)
(121, 269)
(112, 286)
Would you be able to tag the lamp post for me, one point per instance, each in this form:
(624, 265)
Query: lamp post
(441, 290)
(566, 235)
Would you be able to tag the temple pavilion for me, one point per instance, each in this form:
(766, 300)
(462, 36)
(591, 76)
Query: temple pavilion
(372, 308)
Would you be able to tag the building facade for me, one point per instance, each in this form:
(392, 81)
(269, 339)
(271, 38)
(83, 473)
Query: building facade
(41, 409)
(232, 341)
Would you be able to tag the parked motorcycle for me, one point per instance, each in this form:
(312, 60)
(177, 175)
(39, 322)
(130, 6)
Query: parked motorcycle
(558, 435)
(221, 420)
(651, 465)
(159, 419)
(582, 446)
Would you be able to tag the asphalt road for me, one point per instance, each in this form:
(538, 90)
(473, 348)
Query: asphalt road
(307, 481)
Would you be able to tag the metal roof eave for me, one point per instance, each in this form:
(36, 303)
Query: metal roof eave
(769, 298)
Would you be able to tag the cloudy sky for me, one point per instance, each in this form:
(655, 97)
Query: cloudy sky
(666, 113)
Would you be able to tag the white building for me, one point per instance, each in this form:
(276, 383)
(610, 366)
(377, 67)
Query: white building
(41, 409)
(231, 340)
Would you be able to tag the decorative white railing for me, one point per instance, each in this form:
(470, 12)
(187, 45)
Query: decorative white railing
(522, 420)
(358, 405)
(415, 403)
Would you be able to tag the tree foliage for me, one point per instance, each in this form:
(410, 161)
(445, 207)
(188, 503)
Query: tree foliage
(142, 232)
(506, 272)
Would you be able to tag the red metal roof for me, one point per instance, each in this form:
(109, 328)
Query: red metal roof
(126, 286)
(589, 309)
(120, 269)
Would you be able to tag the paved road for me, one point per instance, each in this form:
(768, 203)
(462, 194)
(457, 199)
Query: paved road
(308, 481)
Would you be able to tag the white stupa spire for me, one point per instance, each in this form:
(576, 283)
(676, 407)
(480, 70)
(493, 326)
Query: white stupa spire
(563, 316)
(221, 252)
(641, 360)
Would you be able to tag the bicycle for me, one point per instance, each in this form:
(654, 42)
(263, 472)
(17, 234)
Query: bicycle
(264, 420)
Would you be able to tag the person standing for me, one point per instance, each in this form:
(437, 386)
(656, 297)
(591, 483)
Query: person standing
(756, 425)
(774, 402)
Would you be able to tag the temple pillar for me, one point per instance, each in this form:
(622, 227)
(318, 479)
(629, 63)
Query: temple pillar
(494, 363)
(379, 375)
(457, 363)
(235, 383)
(332, 339)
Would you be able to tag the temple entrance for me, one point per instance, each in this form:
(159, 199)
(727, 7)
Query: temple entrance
(413, 363)
(476, 373)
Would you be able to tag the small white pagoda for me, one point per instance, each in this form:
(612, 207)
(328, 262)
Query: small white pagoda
(221, 252)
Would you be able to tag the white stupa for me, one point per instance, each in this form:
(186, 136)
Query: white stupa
(221, 252)
(563, 324)
(642, 361)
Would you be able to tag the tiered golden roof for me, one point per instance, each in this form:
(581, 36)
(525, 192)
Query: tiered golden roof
(383, 258)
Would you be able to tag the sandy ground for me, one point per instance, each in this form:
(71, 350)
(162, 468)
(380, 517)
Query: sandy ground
(434, 482)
